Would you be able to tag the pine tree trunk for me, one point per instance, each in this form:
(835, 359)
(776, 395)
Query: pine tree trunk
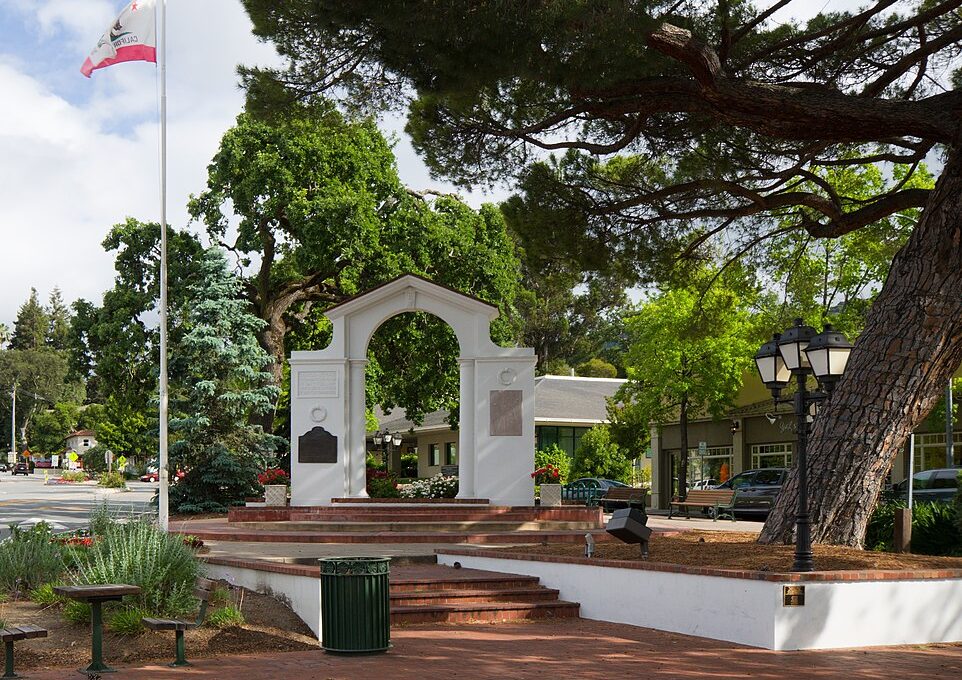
(911, 346)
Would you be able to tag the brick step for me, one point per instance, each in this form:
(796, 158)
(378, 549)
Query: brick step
(417, 527)
(393, 513)
(231, 533)
(475, 583)
(412, 501)
(473, 595)
(484, 612)
(427, 517)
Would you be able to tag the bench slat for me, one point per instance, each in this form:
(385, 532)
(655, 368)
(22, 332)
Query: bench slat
(166, 624)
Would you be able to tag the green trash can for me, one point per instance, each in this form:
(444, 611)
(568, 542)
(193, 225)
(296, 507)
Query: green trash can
(355, 605)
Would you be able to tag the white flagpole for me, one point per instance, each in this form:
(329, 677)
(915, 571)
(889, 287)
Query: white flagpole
(162, 508)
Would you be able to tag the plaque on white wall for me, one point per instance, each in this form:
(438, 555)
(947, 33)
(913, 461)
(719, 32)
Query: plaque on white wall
(317, 384)
(506, 413)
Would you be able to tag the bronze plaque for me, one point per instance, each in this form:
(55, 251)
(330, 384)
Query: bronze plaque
(793, 596)
(317, 446)
(506, 413)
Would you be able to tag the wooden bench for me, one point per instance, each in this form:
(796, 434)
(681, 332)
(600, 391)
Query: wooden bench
(203, 589)
(619, 496)
(721, 502)
(10, 635)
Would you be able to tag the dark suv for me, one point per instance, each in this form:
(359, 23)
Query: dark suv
(756, 490)
(940, 484)
(21, 469)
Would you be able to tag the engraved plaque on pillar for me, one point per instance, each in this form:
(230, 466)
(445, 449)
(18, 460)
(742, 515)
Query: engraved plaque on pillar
(317, 384)
(317, 446)
(506, 413)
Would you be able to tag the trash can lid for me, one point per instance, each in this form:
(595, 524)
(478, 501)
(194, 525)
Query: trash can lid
(355, 566)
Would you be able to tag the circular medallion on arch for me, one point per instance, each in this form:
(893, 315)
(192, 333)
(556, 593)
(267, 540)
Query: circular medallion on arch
(507, 376)
(318, 414)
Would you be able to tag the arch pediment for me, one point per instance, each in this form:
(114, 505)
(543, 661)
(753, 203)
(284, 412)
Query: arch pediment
(406, 288)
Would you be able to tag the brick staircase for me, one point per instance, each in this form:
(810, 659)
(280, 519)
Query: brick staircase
(404, 523)
(447, 595)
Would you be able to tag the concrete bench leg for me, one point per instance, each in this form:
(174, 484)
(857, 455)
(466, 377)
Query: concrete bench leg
(8, 661)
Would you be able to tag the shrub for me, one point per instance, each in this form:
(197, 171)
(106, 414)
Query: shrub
(409, 465)
(126, 621)
(598, 456)
(226, 617)
(548, 474)
(554, 455)
(45, 596)
(112, 480)
(222, 481)
(141, 554)
(597, 368)
(381, 484)
(375, 462)
(74, 476)
(437, 486)
(29, 558)
(935, 528)
(273, 476)
(76, 612)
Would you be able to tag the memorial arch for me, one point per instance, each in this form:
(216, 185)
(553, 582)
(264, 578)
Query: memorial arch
(328, 433)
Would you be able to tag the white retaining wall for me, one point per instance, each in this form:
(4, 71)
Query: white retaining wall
(751, 612)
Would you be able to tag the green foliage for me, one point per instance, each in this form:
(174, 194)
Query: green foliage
(76, 612)
(381, 484)
(598, 456)
(221, 387)
(112, 480)
(32, 325)
(554, 455)
(127, 622)
(597, 368)
(140, 554)
(44, 595)
(29, 558)
(49, 428)
(73, 476)
(94, 459)
(936, 528)
(409, 465)
(225, 617)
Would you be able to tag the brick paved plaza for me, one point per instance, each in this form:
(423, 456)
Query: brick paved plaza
(572, 649)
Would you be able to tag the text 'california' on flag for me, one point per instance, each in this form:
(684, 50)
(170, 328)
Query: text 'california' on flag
(132, 37)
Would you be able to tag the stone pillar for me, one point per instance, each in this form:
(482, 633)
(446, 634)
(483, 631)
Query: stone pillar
(466, 432)
(357, 430)
(659, 495)
(738, 448)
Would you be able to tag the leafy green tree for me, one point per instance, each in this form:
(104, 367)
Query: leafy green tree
(554, 455)
(220, 381)
(597, 368)
(4, 334)
(32, 325)
(322, 216)
(689, 351)
(50, 428)
(598, 456)
(726, 113)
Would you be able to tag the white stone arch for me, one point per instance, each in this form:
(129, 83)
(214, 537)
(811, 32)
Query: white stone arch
(496, 436)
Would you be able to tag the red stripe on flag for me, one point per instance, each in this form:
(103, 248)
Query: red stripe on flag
(129, 53)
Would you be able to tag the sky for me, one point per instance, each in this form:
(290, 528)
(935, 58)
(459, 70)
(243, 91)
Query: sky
(78, 156)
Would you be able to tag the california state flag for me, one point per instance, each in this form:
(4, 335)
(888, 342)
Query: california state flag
(133, 37)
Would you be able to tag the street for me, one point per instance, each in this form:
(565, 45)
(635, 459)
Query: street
(25, 498)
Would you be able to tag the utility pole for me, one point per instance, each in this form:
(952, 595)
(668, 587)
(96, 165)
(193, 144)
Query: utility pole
(13, 424)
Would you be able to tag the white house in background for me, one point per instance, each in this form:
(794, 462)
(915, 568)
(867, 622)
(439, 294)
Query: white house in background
(81, 440)
(565, 408)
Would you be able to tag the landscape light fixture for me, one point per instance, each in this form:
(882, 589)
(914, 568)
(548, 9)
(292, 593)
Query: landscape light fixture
(801, 351)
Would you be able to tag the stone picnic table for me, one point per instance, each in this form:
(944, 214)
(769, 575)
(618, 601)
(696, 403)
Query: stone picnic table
(95, 595)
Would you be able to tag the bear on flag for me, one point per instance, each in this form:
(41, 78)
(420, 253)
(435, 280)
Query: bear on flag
(132, 37)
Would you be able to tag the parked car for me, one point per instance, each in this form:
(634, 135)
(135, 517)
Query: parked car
(4, 467)
(155, 476)
(756, 490)
(21, 469)
(938, 485)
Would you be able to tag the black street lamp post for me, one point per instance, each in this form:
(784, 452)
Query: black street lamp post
(387, 438)
(800, 352)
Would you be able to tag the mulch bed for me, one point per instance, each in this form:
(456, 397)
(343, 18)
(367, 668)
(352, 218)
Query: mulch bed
(740, 550)
(270, 626)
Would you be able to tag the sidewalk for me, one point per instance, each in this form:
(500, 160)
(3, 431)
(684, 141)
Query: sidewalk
(572, 648)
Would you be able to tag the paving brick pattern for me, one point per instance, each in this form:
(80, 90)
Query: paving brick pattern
(565, 649)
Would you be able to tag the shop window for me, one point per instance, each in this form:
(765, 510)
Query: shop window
(450, 453)
(434, 455)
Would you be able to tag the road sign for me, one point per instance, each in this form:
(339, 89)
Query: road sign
(55, 460)
(11, 457)
(121, 462)
(72, 456)
(702, 448)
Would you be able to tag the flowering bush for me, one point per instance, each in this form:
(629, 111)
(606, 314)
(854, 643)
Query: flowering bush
(73, 476)
(381, 484)
(549, 474)
(438, 486)
(273, 476)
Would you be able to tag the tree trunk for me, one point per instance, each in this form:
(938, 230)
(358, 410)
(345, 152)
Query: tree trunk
(683, 454)
(911, 346)
(271, 338)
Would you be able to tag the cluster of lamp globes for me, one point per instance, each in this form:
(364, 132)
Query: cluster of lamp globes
(387, 438)
(802, 350)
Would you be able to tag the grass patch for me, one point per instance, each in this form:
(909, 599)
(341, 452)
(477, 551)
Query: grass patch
(127, 622)
(45, 596)
(226, 617)
(76, 612)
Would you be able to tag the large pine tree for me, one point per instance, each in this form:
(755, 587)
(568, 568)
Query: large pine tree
(30, 330)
